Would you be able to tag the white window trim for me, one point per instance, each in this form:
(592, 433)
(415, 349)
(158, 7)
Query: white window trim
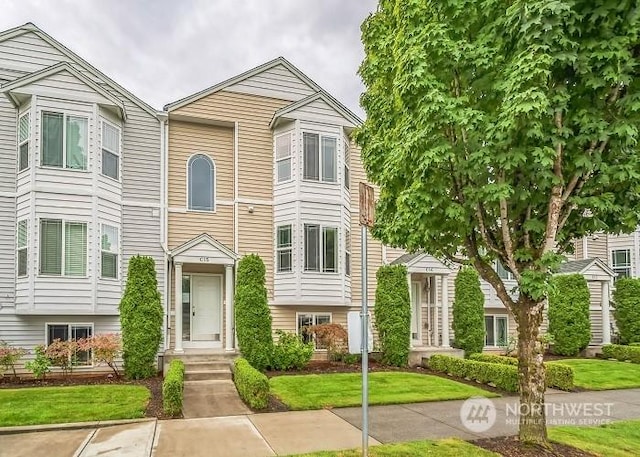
(321, 249)
(26, 114)
(63, 260)
(509, 277)
(281, 159)
(117, 252)
(69, 324)
(215, 184)
(628, 266)
(495, 329)
(347, 252)
(315, 315)
(25, 247)
(320, 166)
(65, 115)
(116, 153)
(279, 249)
(346, 178)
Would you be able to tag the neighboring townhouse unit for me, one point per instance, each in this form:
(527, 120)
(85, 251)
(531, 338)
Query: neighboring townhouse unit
(81, 183)
(263, 163)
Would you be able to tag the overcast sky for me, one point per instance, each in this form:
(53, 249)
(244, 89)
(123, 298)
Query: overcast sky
(163, 50)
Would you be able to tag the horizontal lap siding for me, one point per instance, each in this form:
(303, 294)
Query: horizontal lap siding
(183, 226)
(255, 236)
(8, 146)
(7, 252)
(29, 53)
(277, 82)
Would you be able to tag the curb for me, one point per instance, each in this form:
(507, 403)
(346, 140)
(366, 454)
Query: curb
(71, 426)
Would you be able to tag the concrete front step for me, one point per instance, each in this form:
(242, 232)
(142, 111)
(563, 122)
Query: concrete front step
(209, 365)
(207, 375)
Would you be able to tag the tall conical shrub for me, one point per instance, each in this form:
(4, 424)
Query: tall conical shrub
(468, 312)
(253, 317)
(141, 318)
(393, 314)
(569, 322)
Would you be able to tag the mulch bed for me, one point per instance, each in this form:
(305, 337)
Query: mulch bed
(154, 407)
(510, 446)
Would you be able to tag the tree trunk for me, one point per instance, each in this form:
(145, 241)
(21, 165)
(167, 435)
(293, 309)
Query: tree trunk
(531, 373)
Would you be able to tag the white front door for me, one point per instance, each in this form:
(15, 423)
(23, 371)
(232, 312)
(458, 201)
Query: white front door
(416, 300)
(206, 308)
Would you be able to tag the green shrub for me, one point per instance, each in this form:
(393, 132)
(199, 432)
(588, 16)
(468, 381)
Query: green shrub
(626, 302)
(557, 375)
(569, 321)
(393, 314)
(40, 365)
(253, 317)
(252, 385)
(502, 376)
(290, 352)
(621, 353)
(173, 388)
(468, 312)
(141, 319)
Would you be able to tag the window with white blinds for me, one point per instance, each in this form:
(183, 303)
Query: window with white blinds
(110, 249)
(63, 248)
(283, 157)
(22, 246)
(65, 141)
(24, 130)
(110, 151)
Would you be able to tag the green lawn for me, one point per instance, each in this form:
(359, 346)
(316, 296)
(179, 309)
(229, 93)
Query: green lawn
(594, 374)
(344, 389)
(441, 448)
(618, 439)
(54, 405)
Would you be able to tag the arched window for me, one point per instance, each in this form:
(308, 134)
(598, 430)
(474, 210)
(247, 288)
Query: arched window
(201, 183)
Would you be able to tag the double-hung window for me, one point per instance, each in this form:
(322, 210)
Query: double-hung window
(63, 248)
(22, 246)
(64, 141)
(347, 162)
(283, 157)
(109, 252)
(72, 332)
(347, 253)
(283, 248)
(110, 151)
(320, 248)
(319, 157)
(621, 262)
(24, 130)
(306, 320)
(496, 330)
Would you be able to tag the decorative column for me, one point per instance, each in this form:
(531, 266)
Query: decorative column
(229, 311)
(606, 317)
(177, 305)
(445, 312)
(410, 307)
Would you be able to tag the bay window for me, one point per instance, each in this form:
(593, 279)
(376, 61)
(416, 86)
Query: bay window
(109, 244)
(347, 253)
(283, 248)
(24, 131)
(63, 248)
(64, 141)
(347, 165)
(110, 151)
(319, 157)
(320, 248)
(283, 157)
(22, 247)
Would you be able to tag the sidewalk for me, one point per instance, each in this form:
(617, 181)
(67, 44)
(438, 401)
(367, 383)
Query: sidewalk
(260, 435)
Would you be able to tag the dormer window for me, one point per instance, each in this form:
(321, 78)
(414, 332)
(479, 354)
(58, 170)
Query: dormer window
(64, 141)
(320, 158)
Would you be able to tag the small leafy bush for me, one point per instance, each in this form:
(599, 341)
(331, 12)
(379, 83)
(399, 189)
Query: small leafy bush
(621, 353)
(290, 352)
(626, 301)
(106, 348)
(569, 321)
(468, 312)
(141, 319)
(502, 376)
(253, 317)
(9, 356)
(557, 375)
(393, 314)
(332, 337)
(252, 385)
(40, 365)
(173, 388)
(62, 354)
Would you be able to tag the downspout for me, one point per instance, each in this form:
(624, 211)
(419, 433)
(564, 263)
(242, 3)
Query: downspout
(163, 118)
(235, 187)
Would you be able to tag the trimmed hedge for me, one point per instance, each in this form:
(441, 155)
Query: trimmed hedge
(173, 388)
(569, 321)
(253, 317)
(468, 312)
(141, 319)
(626, 311)
(622, 353)
(393, 314)
(252, 385)
(492, 358)
(500, 375)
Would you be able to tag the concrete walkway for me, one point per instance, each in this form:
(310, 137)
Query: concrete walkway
(261, 435)
(212, 399)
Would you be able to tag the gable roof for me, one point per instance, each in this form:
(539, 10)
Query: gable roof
(31, 27)
(406, 259)
(207, 239)
(581, 266)
(262, 68)
(53, 70)
(320, 95)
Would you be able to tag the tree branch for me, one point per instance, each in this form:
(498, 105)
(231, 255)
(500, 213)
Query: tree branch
(506, 234)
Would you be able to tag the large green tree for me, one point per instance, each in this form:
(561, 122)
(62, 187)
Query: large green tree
(503, 130)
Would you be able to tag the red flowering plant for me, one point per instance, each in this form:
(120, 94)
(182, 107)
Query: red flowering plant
(63, 354)
(106, 348)
(9, 356)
